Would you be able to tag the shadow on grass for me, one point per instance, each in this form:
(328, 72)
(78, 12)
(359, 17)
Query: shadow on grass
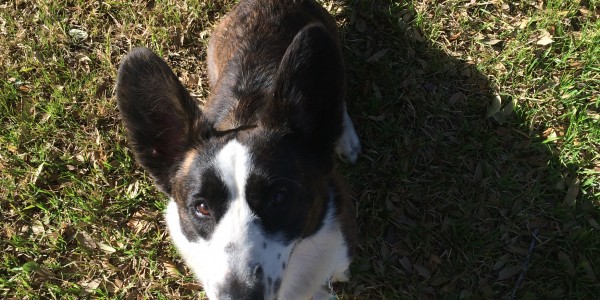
(452, 203)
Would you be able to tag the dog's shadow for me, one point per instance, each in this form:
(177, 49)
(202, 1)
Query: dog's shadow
(455, 195)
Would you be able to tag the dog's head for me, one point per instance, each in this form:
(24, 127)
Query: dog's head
(252, 209)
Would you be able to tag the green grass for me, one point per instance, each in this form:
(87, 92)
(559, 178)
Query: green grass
(451, 190)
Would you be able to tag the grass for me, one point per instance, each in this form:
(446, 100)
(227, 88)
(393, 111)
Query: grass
(480, 121)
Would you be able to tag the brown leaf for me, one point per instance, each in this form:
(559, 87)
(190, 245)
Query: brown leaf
(91, 285)
(589, 271)
(406, 264)
(379, 54)
(566, 262)
(454, 37)
(171, 268)
(423, 271)
(85, 240)
(460, 96)
(501, 262)
(439, 279)
(508, 272)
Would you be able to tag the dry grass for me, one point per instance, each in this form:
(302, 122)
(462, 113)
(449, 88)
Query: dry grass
(480, 124)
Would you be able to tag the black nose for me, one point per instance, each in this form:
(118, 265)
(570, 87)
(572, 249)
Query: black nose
(243, 288)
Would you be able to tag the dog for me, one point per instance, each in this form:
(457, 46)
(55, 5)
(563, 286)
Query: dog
(257, 209)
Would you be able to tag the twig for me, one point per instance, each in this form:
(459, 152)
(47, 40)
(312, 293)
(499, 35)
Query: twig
(525, 263)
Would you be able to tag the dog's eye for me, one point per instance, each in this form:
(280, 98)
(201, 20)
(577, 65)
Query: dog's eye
(202, 209)
(278, 197)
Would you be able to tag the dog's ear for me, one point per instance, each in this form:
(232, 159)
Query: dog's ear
(309, 88)
(162, 120)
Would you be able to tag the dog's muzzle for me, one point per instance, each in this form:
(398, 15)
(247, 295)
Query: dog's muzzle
(244, 288)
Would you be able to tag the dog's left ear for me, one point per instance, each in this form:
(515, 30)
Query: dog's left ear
(309, 88)
(162, 120)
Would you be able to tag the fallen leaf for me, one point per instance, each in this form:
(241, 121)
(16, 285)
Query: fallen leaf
(491, 42)
(106, 248)
(379, 54)
(589, 271)
(91, 285)
(545, 40)
(593, 222)
(495, 106)
(454, 37)
(572, 192)
(85, 240)
(439, 280)
(508, 272)
(171, 268)
(377, 118)
(78, 34)
(460, 96)
(422, 271)
(37, 227)
(501, 262)
(566, 262)
(406, 264)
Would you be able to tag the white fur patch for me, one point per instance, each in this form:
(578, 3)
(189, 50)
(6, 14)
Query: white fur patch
(297, 270)
(315, 260)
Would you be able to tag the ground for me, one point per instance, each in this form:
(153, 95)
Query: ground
(480, 124)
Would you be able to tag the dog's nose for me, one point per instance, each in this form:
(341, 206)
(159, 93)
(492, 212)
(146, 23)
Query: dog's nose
(243, 288)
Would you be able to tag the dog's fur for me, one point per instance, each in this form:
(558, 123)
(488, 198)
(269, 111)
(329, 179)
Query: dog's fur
(257, 210)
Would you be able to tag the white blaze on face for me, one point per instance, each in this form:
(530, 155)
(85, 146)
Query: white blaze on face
(238, 242)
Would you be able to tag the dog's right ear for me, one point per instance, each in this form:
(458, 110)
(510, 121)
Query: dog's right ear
(162, 120)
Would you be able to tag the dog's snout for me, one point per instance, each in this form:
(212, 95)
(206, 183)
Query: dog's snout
(244, 288)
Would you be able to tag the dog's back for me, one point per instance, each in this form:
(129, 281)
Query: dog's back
(257, 33)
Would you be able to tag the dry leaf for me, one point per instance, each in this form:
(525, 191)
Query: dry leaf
(377, 118)
(566, 262)
(37, 227)
(78, 34)
(171, 268)
(495, 106)
(492, 42)
(106, 248)
(90, 286)
(593, 222)
(572, 192)
(379, 54)
(85, 240)
(422, 271)
(439, 280)
(454, 37)
(508, 272)
(406, 264)
(545, 40)
(460, 96)
(589, 271)
(501, 262)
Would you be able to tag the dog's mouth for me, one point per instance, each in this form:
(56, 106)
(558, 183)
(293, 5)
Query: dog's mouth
(254, 272)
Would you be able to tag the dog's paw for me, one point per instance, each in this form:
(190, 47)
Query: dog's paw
(349, 144)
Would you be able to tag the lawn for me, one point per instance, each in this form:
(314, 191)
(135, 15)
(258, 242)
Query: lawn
(480, 123)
